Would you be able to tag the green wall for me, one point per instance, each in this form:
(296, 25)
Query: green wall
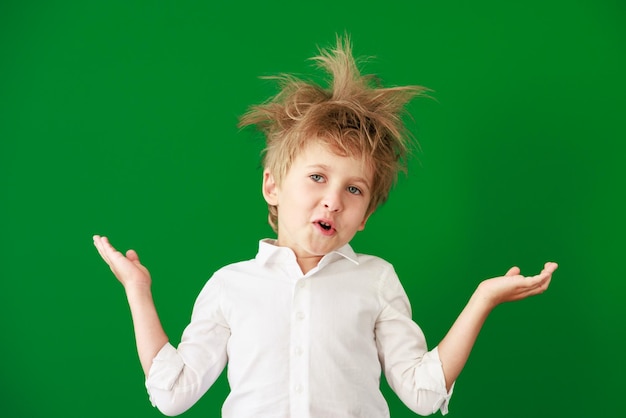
(119, 118)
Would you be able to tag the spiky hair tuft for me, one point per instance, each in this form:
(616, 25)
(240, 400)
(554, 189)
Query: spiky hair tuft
(354, 116)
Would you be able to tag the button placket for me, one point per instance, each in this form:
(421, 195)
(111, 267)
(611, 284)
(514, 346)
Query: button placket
(299, 354)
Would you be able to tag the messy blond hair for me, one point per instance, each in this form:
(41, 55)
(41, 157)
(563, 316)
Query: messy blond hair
(354, 116)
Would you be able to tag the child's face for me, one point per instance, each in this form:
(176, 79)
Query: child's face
(322, 201)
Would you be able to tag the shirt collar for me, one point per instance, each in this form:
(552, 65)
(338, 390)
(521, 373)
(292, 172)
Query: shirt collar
(270, 252)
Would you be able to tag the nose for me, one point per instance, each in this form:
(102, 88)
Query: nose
(332, 201)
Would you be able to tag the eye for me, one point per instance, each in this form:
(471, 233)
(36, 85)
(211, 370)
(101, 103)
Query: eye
(316, 178)
(354, 190)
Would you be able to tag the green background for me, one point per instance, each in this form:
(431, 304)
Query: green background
(119, 118)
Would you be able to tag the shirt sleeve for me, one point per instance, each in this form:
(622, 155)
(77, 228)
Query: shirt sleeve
(414, 373)
(179, 376)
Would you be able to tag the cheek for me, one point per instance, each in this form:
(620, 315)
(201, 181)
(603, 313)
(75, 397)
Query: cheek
(300, 196)
(359, 211)
(303, 194)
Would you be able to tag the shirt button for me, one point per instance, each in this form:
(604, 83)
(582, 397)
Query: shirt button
(300, 316)
(301, 284)
(298, 351)
(298, 388)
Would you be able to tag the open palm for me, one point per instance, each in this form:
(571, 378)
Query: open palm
(514, 286)
(127, 268)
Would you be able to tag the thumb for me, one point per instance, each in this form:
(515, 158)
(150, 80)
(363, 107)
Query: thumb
(132, 256)
(513, 271)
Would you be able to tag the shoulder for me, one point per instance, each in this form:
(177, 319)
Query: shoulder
(231, 271)
(373, 263)
(237, 267)
(366, 268)
(387, 280)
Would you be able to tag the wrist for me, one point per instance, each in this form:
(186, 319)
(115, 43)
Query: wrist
(484, 299)
(135, 290)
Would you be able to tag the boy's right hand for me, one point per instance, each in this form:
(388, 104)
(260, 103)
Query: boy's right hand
(128, 270)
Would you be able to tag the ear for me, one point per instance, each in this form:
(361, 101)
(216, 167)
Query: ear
(270, 188)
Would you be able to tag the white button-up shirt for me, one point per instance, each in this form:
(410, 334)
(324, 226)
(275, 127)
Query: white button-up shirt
(301, 345)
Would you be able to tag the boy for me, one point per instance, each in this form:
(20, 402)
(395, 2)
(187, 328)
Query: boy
(307, 326)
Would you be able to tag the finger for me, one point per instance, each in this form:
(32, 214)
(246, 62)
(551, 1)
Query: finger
(97, 240)
(535, 285)
(541, 281)
(513, 271)
(107, 249)
(544, 286)
(106, 242)
(115, 259)
(550, 266)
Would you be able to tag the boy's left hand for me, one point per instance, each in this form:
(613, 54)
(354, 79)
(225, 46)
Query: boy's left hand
(513, 286)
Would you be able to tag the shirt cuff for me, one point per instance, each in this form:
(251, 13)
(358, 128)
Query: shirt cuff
(442, 405)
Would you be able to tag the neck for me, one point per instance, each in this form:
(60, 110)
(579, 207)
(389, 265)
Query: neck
(308, 263)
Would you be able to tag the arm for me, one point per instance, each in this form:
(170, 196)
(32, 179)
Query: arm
(456, 346)
(135, 278)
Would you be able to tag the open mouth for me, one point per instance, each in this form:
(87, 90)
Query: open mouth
(324, 225)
